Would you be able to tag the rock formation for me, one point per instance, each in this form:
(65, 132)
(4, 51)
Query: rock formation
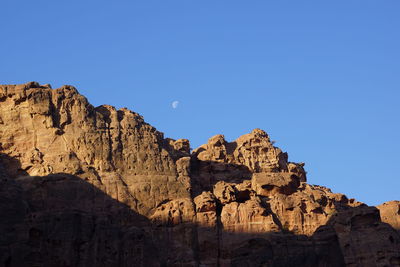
(390, 213)
(95, 186)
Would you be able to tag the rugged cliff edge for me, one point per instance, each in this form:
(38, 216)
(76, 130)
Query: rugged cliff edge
(95, 186)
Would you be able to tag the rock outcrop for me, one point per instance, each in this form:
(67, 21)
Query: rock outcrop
(95, 186)
(390, 213)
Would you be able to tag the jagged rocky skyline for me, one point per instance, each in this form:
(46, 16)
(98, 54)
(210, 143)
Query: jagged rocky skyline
(84, 185)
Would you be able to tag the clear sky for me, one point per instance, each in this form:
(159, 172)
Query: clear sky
(321, 77)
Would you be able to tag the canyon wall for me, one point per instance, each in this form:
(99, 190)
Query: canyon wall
(95, 186)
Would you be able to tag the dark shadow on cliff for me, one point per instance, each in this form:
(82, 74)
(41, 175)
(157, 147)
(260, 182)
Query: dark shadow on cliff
(323, 248)
(63, 220)
(363, 233)
(354, 236)
(205, 174)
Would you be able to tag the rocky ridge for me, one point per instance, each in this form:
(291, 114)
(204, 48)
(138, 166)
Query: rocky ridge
(95, 186)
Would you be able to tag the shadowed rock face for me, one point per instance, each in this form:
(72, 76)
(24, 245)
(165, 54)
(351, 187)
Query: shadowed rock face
(95, 186)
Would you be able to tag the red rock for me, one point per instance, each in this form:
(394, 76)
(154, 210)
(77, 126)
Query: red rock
(96, 186)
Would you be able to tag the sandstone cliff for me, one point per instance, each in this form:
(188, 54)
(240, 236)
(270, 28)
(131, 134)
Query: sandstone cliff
(95, 186)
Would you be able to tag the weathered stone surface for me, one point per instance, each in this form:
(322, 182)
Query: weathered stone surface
(253, 151)
(248, 217)
(96, 186)
(390, 213)
(364, 240)
(270, 183)
(225, 192)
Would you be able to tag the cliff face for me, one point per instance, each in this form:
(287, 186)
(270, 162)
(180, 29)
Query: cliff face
(95, 186)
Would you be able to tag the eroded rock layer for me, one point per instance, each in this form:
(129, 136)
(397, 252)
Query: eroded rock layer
(95, 186)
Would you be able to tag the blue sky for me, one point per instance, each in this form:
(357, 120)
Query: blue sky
(321, 77)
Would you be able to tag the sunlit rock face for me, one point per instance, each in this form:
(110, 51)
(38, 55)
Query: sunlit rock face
(95, 186)
(390, 213)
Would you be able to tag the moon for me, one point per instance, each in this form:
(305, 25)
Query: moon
(175, 104)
